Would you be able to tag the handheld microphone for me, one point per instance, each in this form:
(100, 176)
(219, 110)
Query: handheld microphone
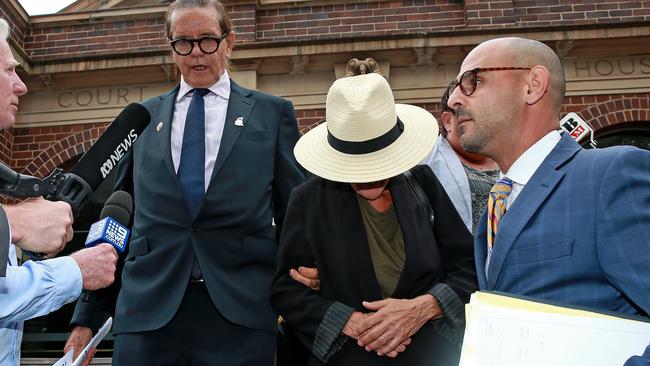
(577, 128)
(111, 227)
(77, 186)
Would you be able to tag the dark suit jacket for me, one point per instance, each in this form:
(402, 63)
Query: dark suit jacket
(578, 233)
(324, 226)
(232, 236)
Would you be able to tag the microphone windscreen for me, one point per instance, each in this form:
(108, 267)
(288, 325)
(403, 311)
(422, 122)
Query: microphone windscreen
(110, 147)
(118, 206)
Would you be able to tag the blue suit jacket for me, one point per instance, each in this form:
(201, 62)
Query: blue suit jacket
(232, 234)
(578, 233)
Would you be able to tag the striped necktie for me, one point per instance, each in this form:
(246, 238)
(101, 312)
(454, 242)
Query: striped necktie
(496, 209)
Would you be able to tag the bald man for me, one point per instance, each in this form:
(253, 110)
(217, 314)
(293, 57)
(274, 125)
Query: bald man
(576, 227)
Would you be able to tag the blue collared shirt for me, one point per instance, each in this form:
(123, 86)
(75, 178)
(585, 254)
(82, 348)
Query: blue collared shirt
(29, 291)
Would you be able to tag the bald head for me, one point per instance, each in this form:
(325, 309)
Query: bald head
(527, 52)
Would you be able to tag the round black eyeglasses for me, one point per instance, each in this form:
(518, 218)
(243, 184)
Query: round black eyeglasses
(207, 45)
(468, 79)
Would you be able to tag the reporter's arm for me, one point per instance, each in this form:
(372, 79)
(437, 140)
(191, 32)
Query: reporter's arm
(38, 288)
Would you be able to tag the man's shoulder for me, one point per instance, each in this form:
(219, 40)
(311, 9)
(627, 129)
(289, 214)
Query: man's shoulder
(158, 98)
(597, 164)
(607, 155)
(256, 94)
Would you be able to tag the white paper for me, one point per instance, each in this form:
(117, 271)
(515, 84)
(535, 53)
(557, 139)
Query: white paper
(508, 336)
(93, 342)
(65, 360)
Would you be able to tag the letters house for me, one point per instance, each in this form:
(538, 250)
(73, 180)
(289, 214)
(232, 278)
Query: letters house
(87, 62)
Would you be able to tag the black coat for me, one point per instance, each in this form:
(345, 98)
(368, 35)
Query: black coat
(323, 226)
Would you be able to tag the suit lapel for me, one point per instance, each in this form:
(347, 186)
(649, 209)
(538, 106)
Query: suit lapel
(164, 115)
(538, 188)
(480, 251)
(239, 105)
(355, 240)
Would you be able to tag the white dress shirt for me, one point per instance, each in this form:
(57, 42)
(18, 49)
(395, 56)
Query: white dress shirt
(527, 164)
(216, 105)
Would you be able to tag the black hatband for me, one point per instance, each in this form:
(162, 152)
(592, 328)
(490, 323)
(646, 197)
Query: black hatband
(368, 146)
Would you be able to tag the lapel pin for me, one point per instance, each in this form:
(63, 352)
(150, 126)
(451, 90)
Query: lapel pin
(239, 122)
(159, 127)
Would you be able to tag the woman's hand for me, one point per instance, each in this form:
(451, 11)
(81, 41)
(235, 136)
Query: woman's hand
(394, 321)
(354, 328)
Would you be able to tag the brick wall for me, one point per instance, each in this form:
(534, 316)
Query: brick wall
(38, 150)
(244, 21)
(532, 13)
(6, 140)
(359, 20)
(100, 38)
(308, 119)
(602, 111)
(96, 39)
(17, 25)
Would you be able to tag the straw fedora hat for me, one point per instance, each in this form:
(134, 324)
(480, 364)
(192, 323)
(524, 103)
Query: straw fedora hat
(366, 136)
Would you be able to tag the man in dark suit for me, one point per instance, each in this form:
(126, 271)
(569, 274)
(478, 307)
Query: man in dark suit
(196, 280)
(576, 227)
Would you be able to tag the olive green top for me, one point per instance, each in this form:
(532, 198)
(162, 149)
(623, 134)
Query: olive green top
(386, 245)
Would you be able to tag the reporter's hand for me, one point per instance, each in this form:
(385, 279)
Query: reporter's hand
(79, 339)
(39, 225)
(97, 265)
(308, 276)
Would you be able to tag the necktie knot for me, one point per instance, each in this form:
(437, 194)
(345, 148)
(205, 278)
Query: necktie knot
(502, 186)
(199, 92)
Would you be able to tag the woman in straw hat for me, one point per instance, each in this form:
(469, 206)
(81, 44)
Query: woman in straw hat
(392, 279)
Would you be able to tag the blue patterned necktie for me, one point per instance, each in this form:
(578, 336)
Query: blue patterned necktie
(191, 170)
(497, 200)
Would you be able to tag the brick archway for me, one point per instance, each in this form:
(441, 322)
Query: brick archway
(62, 151)
(617, 111)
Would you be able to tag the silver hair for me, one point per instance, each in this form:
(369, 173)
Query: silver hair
(4, 29)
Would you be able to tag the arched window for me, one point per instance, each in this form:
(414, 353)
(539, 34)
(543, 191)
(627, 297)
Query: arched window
(635, 134)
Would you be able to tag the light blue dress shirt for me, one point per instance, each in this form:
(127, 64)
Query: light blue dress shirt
(29, 291)
(449, 170)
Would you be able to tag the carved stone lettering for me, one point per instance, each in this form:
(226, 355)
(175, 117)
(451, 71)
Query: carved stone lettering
(91, 97)
(619, 66)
